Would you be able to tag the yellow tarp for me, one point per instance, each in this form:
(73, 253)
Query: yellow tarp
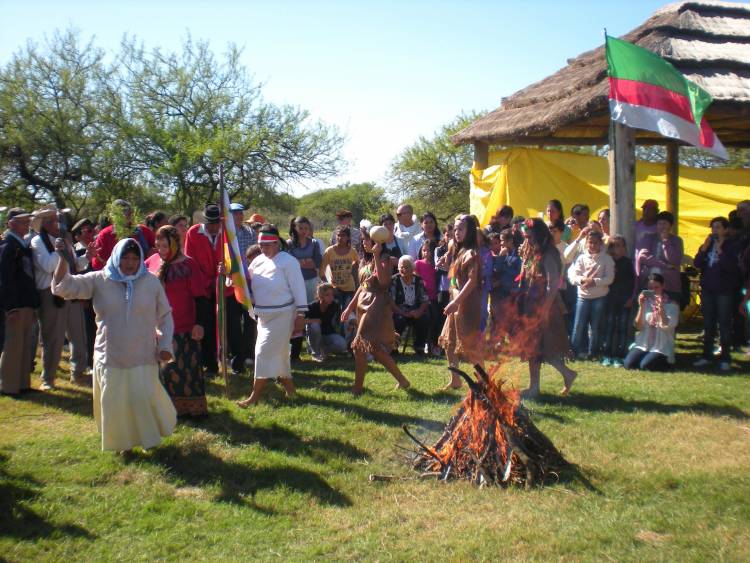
(527, 179)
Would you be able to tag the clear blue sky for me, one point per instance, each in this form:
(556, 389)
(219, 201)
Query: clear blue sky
(384, 72)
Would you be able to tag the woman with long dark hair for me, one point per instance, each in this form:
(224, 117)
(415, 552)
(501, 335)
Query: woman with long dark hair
(461, 337)
(430, 231)
(544, 336)
(376, 334)
(186, 291)
(302, 246)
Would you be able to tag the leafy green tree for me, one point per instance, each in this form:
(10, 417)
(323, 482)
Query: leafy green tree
(364, 200)
(186, 114)
(433, 173)
(53, 122)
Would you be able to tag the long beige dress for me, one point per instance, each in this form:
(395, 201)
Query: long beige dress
(461, 332)
(375, 329)
(131, 407)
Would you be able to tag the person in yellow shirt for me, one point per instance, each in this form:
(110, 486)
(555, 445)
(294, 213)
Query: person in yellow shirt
(338, 266)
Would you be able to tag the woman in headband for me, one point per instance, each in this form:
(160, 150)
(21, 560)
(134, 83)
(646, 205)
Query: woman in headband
(280, 304)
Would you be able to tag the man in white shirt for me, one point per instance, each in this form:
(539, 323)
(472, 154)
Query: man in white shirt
(53, 312)
(406, 228)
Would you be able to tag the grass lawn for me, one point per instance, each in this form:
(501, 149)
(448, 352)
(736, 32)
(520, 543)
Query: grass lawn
(662, 473)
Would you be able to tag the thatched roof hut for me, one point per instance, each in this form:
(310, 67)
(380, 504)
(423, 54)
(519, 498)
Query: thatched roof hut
(708, 41)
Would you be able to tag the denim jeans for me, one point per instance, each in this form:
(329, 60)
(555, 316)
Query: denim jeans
(615, 332)
(717, 308)
(324, 343)
(648, 361)
(589, 314)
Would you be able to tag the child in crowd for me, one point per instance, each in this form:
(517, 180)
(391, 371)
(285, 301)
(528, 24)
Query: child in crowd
(592, 273)
(424, 267)
(506, 266)
(342, 260)
(619, 303)
(321, 321)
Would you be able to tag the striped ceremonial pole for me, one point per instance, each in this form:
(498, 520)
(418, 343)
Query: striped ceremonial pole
(221, 303)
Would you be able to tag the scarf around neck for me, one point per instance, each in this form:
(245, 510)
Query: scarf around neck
(112, 271)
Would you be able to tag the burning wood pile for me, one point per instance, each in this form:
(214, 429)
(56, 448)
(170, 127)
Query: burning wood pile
(490, 441)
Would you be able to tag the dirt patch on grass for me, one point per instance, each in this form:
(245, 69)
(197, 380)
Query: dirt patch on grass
(132, 476)
(192, 493)
(652, 538)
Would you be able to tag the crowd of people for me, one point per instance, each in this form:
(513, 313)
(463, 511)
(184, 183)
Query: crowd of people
(136, 303)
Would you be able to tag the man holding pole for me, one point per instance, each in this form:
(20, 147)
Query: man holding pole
(204, 245)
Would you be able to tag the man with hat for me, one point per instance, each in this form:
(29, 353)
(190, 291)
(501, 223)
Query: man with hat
(344, 218)
(107, 237)
(54, 312)
(18, 299)
(204, 245)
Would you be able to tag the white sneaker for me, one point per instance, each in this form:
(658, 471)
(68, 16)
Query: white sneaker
(725, 366)
(318, 358)
(703, 362)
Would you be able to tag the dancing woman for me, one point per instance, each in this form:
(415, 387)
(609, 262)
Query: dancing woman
(542, 306)
(280, 305)
(375, 331)
(134, 333)
(461, 337)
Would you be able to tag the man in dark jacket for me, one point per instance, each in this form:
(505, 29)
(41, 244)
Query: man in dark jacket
(18, 299)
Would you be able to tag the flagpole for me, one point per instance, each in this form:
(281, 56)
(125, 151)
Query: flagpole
(222, 284)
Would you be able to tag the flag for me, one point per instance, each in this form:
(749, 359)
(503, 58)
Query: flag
(647, 92)
(233, 263)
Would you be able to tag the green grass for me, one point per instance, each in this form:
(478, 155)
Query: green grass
(662, 473)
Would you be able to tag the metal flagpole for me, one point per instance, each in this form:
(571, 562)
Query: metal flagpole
(222, 284)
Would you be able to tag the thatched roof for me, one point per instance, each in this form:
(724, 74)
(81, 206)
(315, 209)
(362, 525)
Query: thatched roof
(708, 41)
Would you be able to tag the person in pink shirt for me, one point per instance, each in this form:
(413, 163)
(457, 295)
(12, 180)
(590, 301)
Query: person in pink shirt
(424, 267)
(186, 292)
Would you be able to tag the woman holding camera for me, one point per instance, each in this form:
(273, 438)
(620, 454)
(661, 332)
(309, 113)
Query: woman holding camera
(653, 349)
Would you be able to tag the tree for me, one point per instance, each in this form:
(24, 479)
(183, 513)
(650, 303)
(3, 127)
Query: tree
(365, 200)
(53, 126)
(186, 114)
(433, 173)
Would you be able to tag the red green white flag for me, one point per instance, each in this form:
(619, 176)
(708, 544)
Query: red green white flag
(647, 92)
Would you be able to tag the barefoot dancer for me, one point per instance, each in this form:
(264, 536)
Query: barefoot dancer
(372, 302)
(280, 305)
(461, 336)
(540, 274)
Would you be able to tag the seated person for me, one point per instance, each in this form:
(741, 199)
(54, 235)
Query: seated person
(320, 320)
(410, 303)
(657, 318)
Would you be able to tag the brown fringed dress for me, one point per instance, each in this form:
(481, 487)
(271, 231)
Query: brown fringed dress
(375, 329)
(461, 332)
(550, 336)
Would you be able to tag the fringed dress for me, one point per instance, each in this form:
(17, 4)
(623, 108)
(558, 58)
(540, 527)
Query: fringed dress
(461, 332)
(375, 329)
(549, 335)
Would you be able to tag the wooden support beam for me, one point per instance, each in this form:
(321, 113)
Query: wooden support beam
(622, 182)
(673, 182)
(481, 155)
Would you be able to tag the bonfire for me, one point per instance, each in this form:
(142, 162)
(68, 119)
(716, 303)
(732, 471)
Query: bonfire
(490, 441)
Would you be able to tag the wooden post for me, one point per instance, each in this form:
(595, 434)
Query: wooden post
(481, 155)
(673, 183)
(622, 182)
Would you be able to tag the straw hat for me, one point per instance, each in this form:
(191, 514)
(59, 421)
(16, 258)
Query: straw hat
(40, 215)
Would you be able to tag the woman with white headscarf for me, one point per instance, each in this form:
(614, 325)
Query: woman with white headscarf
(134, 333)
